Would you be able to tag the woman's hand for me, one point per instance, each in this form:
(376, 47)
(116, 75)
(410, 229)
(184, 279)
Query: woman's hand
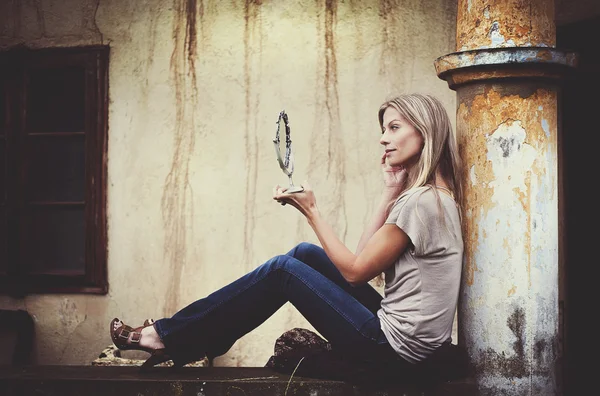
(394, 177)
(304, 201)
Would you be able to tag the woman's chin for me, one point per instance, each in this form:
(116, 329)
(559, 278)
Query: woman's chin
(396, 164)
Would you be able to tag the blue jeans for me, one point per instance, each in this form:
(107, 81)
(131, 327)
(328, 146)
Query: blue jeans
(345, 315)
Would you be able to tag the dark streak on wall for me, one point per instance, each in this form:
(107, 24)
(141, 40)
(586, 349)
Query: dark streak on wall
(252, 101)
(95, 24)
(331, 77)
(517, 365)
(191, 39)
(151, 41)
(399, 47)
(177, 200)
(334, 155)
(387, 10)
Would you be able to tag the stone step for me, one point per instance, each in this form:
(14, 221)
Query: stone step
(194, 381)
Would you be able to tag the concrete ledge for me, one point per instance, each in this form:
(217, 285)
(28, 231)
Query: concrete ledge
(193, 381)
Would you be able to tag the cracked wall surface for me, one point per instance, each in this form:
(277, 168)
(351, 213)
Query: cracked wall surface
(195, 88)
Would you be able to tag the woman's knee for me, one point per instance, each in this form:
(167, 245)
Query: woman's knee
(279, 262)
(302, 250)
(283, 265)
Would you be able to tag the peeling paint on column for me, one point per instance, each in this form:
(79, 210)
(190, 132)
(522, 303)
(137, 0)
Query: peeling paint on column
(508, 136)
(507, 23)
(507, 126)
(252, 36)
(330, 154)
(177, 200)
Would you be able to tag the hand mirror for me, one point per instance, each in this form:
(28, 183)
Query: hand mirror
(286, 163)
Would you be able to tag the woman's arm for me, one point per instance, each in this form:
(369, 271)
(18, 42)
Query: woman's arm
(394, 180)
(379, 252)
(381, 212)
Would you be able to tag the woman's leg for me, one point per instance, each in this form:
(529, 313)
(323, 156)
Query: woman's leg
(316, 257)
(213, 324)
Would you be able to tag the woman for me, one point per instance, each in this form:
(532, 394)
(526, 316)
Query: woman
(414, 239)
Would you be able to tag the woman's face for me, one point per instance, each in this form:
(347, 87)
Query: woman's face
(401, 141)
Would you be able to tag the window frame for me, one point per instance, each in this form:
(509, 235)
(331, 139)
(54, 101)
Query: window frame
(14, 65)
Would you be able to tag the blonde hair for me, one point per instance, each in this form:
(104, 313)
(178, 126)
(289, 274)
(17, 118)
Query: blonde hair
(440, 149)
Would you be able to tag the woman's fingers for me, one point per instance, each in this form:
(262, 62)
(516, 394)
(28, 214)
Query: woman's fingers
(277, 192)
(296, 199)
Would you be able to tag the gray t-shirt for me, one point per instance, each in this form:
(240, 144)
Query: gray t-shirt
(421, 288)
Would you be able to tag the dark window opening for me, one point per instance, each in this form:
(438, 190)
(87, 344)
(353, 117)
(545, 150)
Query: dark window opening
(53, 136)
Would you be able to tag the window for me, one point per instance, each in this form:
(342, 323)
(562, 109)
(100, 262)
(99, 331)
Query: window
(53, 139)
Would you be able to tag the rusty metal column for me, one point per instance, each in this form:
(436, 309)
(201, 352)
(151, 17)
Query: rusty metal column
(506, 75)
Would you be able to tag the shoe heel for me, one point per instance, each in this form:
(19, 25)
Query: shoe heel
(157, 357)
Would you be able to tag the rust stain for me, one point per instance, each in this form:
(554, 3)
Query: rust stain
(480, 111)
(472, 147)
(398, 45)
(252, 29)
(177, 200)
(460, 77)
(505, 244)
(190, 39)
(544, 56)
(512, 291)
(357, 9)
(329, 124)
(390, 46)
(525, 198)
(331, 82)
(152, 13)
(523, 22)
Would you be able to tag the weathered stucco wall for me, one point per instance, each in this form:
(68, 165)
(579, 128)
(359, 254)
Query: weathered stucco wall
(195, 90)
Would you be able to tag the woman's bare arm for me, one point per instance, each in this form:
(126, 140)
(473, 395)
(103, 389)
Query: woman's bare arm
(378, 218)
(379, 252)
